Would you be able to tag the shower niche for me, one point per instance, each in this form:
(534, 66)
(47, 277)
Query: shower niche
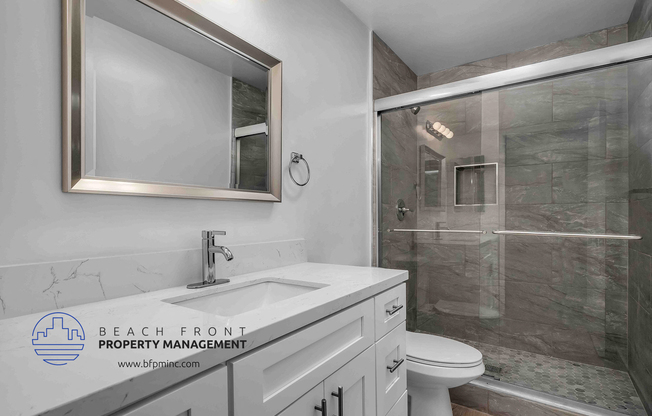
(476, 184)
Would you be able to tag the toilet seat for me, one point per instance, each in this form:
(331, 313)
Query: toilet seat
(438, 351)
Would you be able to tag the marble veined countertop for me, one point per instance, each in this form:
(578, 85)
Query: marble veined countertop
(94, 384)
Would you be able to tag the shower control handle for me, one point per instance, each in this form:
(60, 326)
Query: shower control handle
(404, 210)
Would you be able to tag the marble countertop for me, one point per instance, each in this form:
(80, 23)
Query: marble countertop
(94, 384)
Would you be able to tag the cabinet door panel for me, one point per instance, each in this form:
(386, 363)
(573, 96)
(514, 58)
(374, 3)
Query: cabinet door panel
(276, 375)
(401, 407)
(390, 386)
(305, 406)
(202, 395)
(357, 378)
(385, 305)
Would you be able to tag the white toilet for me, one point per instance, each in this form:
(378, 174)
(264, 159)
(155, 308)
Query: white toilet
(434, 365)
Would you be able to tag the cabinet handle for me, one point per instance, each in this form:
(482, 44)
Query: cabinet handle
(394, 309)
(322, 409)
(396, 365)
(340, 400)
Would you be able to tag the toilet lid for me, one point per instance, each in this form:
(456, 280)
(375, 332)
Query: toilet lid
(445, 352)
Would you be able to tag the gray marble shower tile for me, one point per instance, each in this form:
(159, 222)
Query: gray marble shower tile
(432, 320)
(640, 223)
(391, 75)
(586, 95)
(640, 268)
(474, 121)
(639, 21)
(458, 73)
(640, 118)
(616, 310)
(617, 136)
(569, 344)
(582, 218)
(590, 181)
(579, 263)
(617, 35)
(639, 351)
(639, 76)
(617, 218)
(570, 183)
(560, 306)
(530, 184)
(527, 262)
(640, 171)
(588, 42)
(547, 143)
(609, 180)
(522, 106)
(615, 264)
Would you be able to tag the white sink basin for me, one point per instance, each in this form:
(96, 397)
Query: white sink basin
(238, 298)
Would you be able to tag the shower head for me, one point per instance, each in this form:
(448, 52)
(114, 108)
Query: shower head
(415, 109)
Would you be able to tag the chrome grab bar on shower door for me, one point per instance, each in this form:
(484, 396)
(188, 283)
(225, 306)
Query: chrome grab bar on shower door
(402, 230)
(569, 235)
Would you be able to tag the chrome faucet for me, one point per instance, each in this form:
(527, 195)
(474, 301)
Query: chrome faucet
(208, 251)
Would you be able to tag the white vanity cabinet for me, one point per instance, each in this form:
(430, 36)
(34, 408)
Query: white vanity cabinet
(205, 394)
(291, 376)
(349, 391)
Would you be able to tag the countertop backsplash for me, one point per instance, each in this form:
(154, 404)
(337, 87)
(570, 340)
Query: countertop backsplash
(38, 287)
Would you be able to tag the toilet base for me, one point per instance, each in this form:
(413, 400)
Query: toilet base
(433, 401)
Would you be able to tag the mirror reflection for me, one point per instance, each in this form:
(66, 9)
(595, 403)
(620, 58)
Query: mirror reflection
(166, 104)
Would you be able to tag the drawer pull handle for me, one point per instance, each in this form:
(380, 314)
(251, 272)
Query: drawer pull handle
(340, 400)
(396, 365)
(322, 409)
(394, 310)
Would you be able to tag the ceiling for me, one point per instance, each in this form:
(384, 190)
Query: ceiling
(431, 35)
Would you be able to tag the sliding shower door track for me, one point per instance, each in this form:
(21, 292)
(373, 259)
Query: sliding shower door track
(562, 403)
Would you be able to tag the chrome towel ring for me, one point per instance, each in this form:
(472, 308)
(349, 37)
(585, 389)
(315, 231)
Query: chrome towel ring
(296, 158)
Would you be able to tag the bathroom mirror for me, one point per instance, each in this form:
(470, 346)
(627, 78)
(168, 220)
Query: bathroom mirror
(160, 101)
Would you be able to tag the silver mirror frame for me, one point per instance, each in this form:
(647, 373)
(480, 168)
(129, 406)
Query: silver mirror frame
(73, 86)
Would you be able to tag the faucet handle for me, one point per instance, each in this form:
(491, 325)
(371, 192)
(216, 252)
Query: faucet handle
(210, 234)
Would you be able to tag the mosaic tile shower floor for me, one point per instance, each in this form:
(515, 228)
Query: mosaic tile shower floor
(597, 386)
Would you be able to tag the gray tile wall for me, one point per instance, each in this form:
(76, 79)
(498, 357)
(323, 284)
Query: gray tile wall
(588, 42)
(398, 169)
(640, 210)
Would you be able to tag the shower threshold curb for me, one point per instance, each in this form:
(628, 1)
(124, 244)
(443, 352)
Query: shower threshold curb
(547, 399)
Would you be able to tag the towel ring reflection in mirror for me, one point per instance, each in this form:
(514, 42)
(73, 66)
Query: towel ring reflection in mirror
(296, 158)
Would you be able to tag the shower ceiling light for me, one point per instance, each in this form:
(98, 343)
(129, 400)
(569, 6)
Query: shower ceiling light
(438, 130)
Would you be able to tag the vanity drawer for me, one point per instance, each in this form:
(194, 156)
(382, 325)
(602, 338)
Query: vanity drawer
(203, 395)
(275, 376)
(389, 310)
(391, 365)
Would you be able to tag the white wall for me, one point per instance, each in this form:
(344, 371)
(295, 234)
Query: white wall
(325, 54)
(158, 116)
